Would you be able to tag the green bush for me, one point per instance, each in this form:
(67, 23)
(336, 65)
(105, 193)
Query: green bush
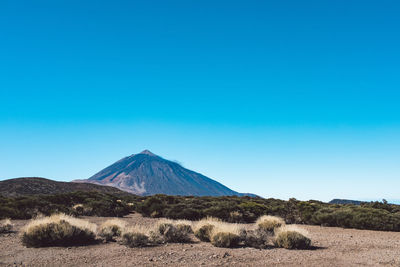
(183, 212)
(94, 203)
(372, 216)
(225, 240)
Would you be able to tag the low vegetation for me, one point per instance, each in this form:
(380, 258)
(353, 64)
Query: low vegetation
(58, 230)
(225, 234)
(269, 223)
(203, 232)
(135, 239)
(173, 232)
(64, 230)
(111, 229)
(225, 240)
(291, 237)
(137, 236)
(255, 238)
(203, 229)
(372, 216)
(76, 203)
(219, 233)
(5, 226)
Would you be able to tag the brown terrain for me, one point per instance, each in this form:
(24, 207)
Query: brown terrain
(41, 186)
(333, 247)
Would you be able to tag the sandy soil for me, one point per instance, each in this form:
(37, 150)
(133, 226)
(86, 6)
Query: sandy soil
(335, 247)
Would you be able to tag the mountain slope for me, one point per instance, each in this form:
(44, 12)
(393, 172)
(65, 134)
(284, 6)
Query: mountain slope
(147, 174)
(41, 186)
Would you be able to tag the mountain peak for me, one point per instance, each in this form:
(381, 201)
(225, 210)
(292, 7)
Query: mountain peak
(147, 174)
(147, 152)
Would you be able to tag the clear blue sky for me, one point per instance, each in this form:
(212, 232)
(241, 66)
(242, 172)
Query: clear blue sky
(278, 98)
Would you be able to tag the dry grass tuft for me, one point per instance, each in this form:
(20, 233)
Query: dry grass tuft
(58, 230)
(170, 231)
(224, 227)
(78, 207)
(203, 228)
(225, 240)
(292, 237)
(80, 210)
(134, 239)
(203, 232)
(256, 238)
(225, 234)
(112, 228)
(218, 232)
(269, 223)
(137, 236)
(5, 226)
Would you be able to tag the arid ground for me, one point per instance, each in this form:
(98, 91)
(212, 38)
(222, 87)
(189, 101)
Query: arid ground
(333, 247)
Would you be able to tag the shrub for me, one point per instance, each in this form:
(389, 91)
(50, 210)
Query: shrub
(152, 206)
(183, 212)
(58, 230)
(372, 216)
(255, 238)
(94, 203)
(5, 226)
(156, 238)
(204, 232)
(81, 210)
(203, 228)
(225, 240)
(135, 240)
(184, 227)
(251, 210)
(235, 217)
(225, 234)
(111, 229)
(78, 209)
(269, 223)
(136, 236)
(291, 238)
(173, 233)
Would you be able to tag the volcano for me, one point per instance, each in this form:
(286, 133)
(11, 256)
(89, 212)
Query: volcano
(147, 174)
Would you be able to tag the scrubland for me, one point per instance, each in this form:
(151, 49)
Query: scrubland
(160, 242)
(368, 216)
(108, 230)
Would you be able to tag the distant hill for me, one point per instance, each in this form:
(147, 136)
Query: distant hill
(345, 201)
(148, 174)
(41, 186)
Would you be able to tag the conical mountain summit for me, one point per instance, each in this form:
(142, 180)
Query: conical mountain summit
(148, 174)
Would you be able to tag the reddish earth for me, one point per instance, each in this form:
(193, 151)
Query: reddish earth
(334, 247)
